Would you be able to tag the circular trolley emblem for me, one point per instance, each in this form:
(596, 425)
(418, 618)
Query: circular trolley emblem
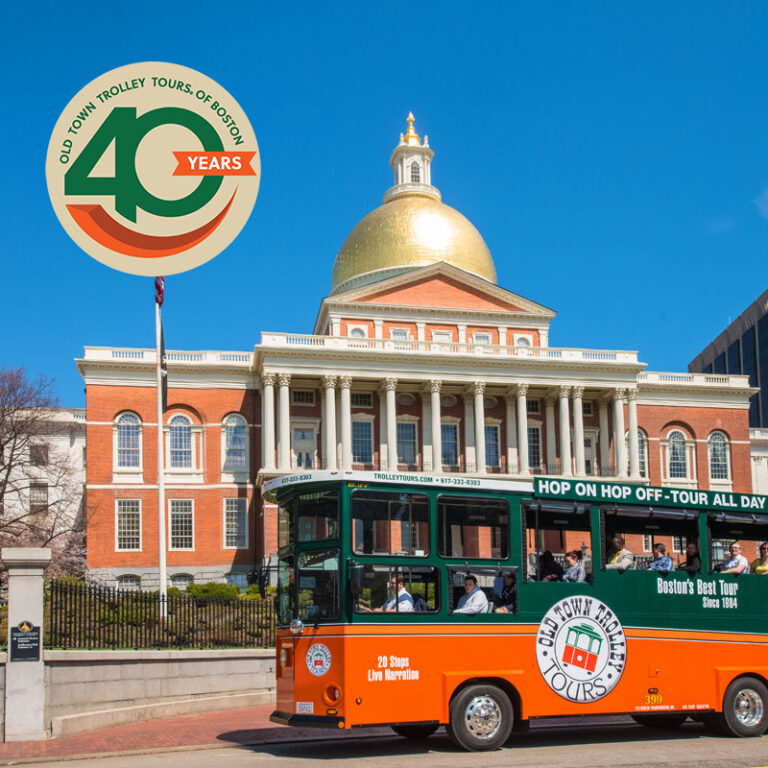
(318, 659)
(153, 168)
(581, 649)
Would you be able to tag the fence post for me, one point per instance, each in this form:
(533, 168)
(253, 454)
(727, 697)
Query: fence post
(24, 672)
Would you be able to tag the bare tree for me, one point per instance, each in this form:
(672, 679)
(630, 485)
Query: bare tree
(42, 501)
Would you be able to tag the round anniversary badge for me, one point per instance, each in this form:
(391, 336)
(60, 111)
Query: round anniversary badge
(581, 649)
(153, 168)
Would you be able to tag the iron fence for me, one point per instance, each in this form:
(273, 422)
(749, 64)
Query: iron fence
(89, 616)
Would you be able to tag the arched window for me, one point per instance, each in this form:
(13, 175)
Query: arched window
(181, 580)
(128, 444)
(678, 461)
(718, 457)
(357, 333)
(235, 443)
(181, 442)
(128, 583)
(642, 451)
(415, 172)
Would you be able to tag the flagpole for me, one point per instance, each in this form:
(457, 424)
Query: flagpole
(160, 454)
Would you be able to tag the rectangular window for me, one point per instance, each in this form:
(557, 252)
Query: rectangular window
(318, 585)
(397, 589)
(533, 406)
(318, 516)
(726, 528)
(182, 524)
(399, 334)
(449, 435)
(128, 526)
(385, 523)
(492, 458)
(129, 442)
(362, 442)
(498, 584)
(235, 446)
(587, 408)
(303, 396)
(235, 523)
(481, 338)
(733, 357)
(38, 455)
(406, 443)
(679, 543)
(647, 542)
(720, 363)
(443, 337)
(84, 457)
(181, 446)
(361, 399)
(551, 530)
(473, 527)
(534, 447)
(38, 497)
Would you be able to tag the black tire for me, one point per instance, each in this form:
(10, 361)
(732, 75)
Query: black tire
(481, 718)
(745, 708)
(415, 731)
(668, 721)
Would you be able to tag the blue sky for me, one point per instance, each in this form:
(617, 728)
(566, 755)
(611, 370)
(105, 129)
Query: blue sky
(614, 157)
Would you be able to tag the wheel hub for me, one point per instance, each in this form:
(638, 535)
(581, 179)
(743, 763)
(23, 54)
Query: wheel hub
(748, 707)
(482, 717)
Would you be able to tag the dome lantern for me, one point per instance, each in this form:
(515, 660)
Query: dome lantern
(411, 161)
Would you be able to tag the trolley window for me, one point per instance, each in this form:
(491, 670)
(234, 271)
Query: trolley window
(317, 575)
(473, 527)
(498, 584)
(557, 538)
(386, 523)
(318, 516)
(398, 589)
(748, 532)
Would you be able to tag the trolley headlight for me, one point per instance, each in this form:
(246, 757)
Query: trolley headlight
(296, 626)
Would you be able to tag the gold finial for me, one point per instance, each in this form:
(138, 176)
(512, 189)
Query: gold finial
(411, 137)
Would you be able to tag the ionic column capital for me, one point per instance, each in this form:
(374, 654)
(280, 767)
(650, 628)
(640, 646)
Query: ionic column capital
(284, 379)
(578, 392)
(329, 382)
(345, 382)
(268, 379)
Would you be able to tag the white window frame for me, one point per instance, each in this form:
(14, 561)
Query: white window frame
(587, 407)
(647, 542)
(477, 337)
(519, 339)
(442, 336)
(124, 576)
(194, 472)
(642, 457)
(127, 474)
(408, 419)
(454, 422)
(690, 480)
(406, 331)
(306, 425)
(366, 418)
(537, 426)
(300, 403)
(352, 396)
(530, 408)
(174, 576)
(235, 472)
(171, 548)
(117, 526)
(363, 328)
(496, 425)
(243, 499)
(721, 482)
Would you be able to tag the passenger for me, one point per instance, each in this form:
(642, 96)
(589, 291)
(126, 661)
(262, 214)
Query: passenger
(508, 595)
(736, 563)
(618, 557)
(692, 565)
(760, 565)
(661, 561)
(575, 570)
(400, 601)
(549, 568)
(474, 601)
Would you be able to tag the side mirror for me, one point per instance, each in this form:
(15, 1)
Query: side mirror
(356, 580)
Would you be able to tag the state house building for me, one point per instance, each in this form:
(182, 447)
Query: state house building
(418, 362)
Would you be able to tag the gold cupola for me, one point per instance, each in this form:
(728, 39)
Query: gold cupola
(413, 228)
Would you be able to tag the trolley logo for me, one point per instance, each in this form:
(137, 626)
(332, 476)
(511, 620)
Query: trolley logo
(153, 168)
(318, 659)
(581, 649)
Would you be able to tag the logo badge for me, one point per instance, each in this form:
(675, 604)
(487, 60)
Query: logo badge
(318, 659)
(581, 649)
(153, 168)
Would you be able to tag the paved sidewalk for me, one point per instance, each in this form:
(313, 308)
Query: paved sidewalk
(249, 725)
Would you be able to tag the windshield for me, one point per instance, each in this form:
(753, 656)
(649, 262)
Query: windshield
(318, 516)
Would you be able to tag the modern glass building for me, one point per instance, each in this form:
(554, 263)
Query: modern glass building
(743, 348)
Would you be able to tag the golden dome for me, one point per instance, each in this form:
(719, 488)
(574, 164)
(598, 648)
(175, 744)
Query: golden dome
(406, 232)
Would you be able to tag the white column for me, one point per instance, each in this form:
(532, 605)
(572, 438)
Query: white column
(268, 421)
(512, 466)
(284, 422)
(566, 467)
(502, 336)
(634, 443)
(345, 382)
(605, 440)
(478, 391)
(437, 431)
(329, 422)
(462, 329)
(549, 415)
(426, 431)
(522, 429)
(469, 433)
(618, 432)
(578, 431)
(391, 388)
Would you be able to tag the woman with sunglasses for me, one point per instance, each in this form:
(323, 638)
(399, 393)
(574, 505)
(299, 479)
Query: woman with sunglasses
(760, 564)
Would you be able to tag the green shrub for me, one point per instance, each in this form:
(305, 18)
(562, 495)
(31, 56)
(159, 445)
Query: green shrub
(213, 591)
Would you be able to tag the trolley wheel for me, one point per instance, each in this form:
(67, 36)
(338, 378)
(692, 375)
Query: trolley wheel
(415, 731)
(745, 708)
(480, 718)
(668, 722)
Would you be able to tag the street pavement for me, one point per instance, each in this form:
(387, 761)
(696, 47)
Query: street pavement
(617, 743)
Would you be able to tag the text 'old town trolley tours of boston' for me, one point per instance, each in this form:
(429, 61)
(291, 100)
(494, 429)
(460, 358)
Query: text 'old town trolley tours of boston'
(416, 601)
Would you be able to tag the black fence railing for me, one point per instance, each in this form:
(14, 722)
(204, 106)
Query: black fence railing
(89, 616)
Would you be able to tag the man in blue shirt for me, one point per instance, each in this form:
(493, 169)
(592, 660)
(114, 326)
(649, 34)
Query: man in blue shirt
(661, 561)
(400, 601)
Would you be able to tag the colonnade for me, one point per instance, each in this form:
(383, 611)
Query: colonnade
(338, 454)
